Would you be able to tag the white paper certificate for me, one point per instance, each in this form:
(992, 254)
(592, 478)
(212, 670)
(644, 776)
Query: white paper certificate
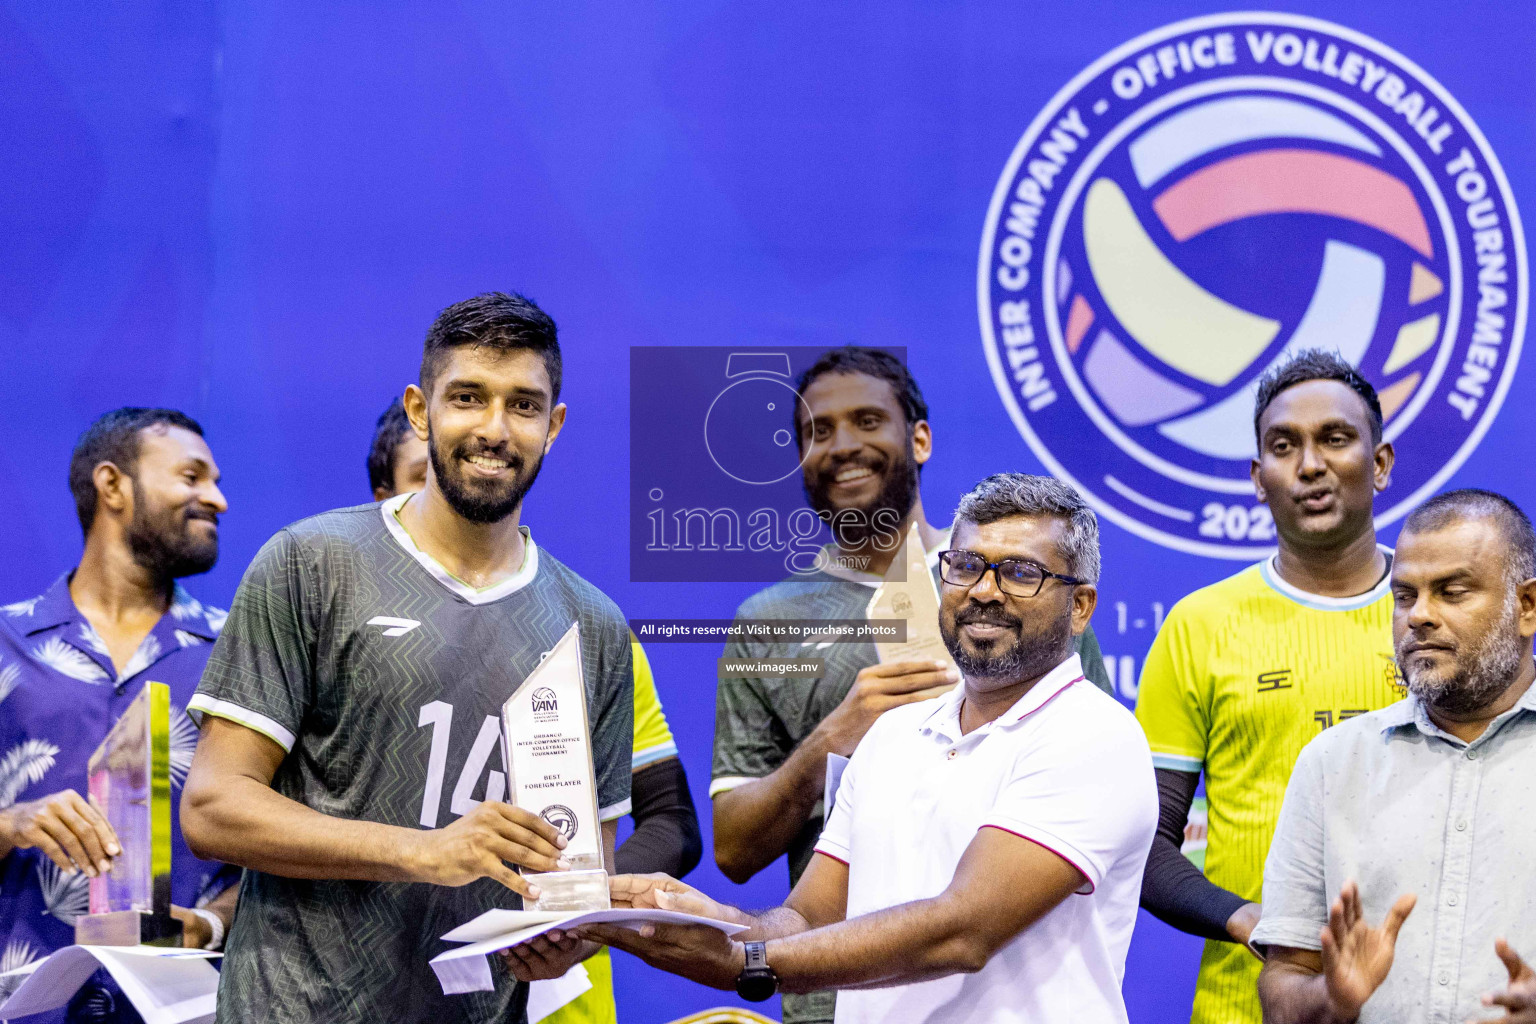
(167, 985)
(466, 969)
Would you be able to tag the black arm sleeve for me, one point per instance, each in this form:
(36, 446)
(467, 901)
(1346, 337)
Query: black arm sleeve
(666, 836)
(1173, 889)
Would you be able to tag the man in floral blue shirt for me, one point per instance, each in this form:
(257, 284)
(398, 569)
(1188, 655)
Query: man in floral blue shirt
(71, 659)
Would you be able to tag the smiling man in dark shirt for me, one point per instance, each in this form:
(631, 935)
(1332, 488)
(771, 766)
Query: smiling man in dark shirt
(865, 444)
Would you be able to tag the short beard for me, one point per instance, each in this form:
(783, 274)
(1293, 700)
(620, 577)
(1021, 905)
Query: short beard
(161, 542)
(1481, 675)
(1030, 656)
(897, 495)
(480, 505)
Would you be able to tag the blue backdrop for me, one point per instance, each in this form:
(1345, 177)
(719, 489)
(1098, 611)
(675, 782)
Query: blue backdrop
(252, 211)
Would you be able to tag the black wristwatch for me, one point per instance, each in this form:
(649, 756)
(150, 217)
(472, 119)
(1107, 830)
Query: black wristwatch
(756, 981)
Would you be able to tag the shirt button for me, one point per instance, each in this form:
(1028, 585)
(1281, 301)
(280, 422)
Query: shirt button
(1452, 901)
(951, 754)
(1471, 755)
(1445, 979)
(1461, 826)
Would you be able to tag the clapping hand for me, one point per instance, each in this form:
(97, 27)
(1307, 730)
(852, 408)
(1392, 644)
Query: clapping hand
(1518, 997)
(1357, 957)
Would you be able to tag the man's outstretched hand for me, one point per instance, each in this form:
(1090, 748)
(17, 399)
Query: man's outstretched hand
(694, 951)
(662, 892)
(1357, 957)
(698, 952)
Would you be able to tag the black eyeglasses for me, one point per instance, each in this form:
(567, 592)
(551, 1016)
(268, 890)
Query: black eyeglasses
(1015, 576)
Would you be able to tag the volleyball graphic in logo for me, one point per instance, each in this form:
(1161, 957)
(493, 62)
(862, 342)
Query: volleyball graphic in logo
(563, 818)
(1206, 201)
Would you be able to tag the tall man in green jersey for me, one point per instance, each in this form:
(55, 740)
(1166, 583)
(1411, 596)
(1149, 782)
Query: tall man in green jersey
(864, 446)
(1246, 671)
(350, 711)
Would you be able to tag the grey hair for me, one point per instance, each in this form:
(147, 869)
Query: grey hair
(1006, 495)
(1472, 503)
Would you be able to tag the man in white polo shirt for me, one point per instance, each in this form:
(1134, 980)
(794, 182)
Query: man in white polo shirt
(983, 858)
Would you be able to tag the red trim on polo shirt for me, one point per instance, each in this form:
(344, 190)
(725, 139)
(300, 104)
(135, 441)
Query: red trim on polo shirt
(831, 856)
(1060, 690)
(1077, 867)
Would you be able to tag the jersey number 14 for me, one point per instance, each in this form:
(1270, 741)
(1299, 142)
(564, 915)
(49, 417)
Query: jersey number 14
(439, 716)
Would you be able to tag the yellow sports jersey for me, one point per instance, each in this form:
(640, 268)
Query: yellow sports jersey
(653, 742)
(1241, 676)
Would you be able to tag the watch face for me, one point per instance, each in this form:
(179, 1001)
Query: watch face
(755, 986)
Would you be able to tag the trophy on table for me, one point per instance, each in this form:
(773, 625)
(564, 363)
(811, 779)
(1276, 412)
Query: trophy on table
(547, 744)
(130, 783)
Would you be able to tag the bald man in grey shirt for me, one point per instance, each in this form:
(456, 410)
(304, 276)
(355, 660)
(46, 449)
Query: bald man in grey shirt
(1426, 804)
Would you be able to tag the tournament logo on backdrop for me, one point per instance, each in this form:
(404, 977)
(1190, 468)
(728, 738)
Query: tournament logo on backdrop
(1208, 199)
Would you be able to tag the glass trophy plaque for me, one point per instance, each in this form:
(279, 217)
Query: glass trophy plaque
(130, 782)
(907, 592)
(548, 748)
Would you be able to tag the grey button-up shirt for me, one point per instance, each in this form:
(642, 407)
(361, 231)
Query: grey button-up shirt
(1394, 802)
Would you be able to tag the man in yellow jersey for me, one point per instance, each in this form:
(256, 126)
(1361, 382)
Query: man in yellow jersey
(1245, 672)
(666, 836)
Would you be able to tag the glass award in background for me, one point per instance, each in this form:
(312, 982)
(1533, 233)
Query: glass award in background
(548, 747)
(908, 593)
(130, 782)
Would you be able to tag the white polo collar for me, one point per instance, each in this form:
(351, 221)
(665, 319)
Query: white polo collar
(944, 720)
(390, 507)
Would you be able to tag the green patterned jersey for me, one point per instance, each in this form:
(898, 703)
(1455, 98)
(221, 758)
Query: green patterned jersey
(383, 676)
